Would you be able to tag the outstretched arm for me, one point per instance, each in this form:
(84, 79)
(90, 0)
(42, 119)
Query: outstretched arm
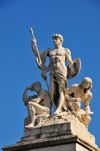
(72, 99)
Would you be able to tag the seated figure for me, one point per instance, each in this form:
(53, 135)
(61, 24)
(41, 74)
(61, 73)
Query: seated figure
(75, 95)
(39, 105)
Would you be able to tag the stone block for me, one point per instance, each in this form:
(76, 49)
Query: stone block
(59, 143)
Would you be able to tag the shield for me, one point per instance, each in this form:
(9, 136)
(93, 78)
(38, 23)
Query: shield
(77, 66)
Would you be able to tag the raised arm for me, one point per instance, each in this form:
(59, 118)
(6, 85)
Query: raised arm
(25, 94)
(34, 48)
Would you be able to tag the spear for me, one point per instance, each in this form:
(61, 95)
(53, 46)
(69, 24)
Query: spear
(31, 30)
(40, 63)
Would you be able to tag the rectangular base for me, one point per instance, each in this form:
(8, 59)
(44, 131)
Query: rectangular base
(68, 147)
(60, 143)
(56, 137)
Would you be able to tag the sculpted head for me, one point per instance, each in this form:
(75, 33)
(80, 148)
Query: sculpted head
(36, 86)
(58, 39)
(87, 83)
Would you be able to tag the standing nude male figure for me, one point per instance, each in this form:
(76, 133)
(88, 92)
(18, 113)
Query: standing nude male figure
(57, 57)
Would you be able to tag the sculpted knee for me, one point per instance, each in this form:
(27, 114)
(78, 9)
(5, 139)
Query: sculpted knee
(31, 107)
(29, 103)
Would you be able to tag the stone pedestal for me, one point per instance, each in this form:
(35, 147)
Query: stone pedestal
(56, 137)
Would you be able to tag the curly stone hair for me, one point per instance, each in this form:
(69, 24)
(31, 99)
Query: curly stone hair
(59, 36)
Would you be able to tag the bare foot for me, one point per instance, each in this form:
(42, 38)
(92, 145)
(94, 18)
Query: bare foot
(30, 126)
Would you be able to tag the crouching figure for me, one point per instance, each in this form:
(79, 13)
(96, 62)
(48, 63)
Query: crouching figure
(37, 105)
(75, 95)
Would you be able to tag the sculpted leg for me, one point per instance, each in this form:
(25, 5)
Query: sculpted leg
(70, 105)
(38, 121)
(32, 115)
(40, 110)
(35, 108)
(60, 100)
(52, 87)
(76, 106)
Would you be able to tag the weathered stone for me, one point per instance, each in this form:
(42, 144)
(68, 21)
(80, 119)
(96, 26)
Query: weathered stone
(72, 126)
(67, 129)
(38, 107)
(59, 143)
(58, 71)
(75, 95)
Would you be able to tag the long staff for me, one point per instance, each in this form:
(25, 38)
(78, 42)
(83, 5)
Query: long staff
(40, 62)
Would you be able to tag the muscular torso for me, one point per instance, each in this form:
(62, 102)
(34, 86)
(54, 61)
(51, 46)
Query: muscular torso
(80, 93)
(77, 92)
(45, 98)
(57, 60)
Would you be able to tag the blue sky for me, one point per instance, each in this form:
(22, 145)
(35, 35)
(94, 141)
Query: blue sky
(79, 23)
